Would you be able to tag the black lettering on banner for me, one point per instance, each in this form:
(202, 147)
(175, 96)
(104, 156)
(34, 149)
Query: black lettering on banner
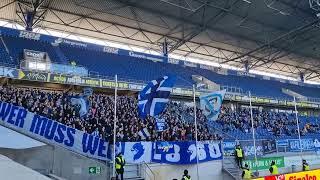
(58, 78)
(33, 76)
(92, 82)
(121, 85)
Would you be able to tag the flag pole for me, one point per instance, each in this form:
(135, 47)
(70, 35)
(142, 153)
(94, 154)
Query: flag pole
(114, 127)
(196, 127)
(297, 121)
(253, 133)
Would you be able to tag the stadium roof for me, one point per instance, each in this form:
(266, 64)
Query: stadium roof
(275, 36)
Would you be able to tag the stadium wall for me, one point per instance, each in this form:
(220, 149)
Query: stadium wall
(63, 163)
(293, 163)
(11, 170)
(207, 170)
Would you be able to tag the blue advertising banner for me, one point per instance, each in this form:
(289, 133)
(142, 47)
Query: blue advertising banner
(185, 152)
(52, 132)
(9, 72)
(316, 143)
(282, 143)
(248, 148)
(307, 145)
(228, 147)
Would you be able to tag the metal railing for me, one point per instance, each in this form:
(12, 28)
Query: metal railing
(151, 176)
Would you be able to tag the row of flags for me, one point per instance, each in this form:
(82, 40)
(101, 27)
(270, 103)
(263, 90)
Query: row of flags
(152, 101)
(155, 96)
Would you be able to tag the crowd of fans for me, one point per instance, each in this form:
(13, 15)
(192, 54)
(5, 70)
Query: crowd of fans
(276, 123)
(100, 117)
(178, 116)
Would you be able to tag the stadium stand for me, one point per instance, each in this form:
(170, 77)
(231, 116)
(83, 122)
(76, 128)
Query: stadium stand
(269, 125)
(5, 58)
(179, 118)
(108, 64)
(99, 120)
(93, 89)
(16, 46)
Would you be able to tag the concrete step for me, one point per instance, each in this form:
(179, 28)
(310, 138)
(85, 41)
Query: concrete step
(137, 178)
(230, 167)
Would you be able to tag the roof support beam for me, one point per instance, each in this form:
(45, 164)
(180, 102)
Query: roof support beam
(275, 40)
(204, 25)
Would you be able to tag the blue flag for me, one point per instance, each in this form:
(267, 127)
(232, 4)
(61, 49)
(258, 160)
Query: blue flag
(161, 124)
(211, 104)
(154, 97)
(82, 103)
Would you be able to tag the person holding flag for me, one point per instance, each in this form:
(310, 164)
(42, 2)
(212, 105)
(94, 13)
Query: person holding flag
(211, 104)
(81, 102)
(155, 96)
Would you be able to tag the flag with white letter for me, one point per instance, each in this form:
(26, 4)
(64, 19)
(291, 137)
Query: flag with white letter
(154, 97)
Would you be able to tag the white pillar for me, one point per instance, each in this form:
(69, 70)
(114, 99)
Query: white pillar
(114, 127)
(196, 127)
(297, 121)
(253, 133)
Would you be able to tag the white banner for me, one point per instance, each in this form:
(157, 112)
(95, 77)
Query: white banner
(51, 132)
(136, 152)
(211, 104)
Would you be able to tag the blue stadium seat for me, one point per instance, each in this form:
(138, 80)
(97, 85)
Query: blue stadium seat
(143, 70)
(17, 45)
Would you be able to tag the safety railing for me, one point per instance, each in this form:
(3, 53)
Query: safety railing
(148, 172)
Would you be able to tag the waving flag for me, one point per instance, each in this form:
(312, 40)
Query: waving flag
(161, 124)
(154, 97)
(81, 103)
(211, 104)
(144, 133)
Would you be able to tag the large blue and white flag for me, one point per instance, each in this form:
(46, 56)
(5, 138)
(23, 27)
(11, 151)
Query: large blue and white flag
(154, 97)
(82, 104)
(211, 104)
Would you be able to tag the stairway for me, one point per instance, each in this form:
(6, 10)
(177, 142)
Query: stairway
(12, 170)
(132, 172)
(230, 167)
